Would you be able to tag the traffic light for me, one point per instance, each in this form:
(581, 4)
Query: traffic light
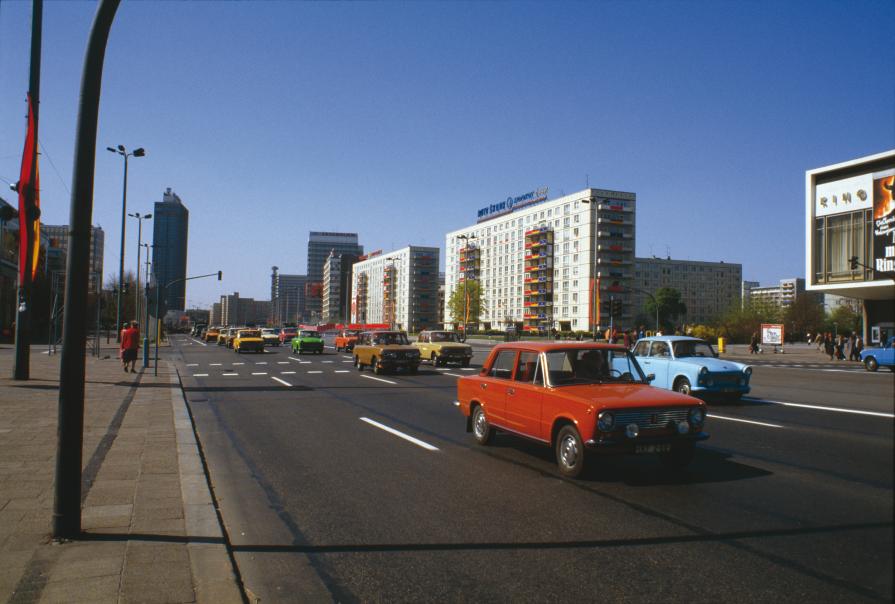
(615, 307)
(220, 275)
(853, 263)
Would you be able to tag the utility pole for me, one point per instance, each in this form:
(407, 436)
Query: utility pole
(22, 363)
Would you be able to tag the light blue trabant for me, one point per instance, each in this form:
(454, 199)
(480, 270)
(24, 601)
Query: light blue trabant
(879, 356)
(691, 366)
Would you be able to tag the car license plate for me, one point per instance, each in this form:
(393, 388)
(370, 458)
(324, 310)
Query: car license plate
(658, 448)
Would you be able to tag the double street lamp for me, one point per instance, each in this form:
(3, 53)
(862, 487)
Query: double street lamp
(140, 218)
(139, 152)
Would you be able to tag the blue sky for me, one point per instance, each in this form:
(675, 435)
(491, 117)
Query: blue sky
(399, 120)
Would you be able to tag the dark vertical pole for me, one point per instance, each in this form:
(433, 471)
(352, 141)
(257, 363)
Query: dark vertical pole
(22, 363)
(137, 289)
(67, 502)
(118, 320)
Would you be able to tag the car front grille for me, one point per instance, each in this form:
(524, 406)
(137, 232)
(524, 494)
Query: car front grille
(651, 418)
(726, 378)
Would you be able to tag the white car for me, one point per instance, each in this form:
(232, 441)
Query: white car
(271, 336)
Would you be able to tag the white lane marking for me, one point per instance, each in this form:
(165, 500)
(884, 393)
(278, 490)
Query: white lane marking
(259, 373)
(820, 408)
(199, 342)
(284, 382)
(294, 359)
(745, 421)
(261, 363)
(238, 364)
(347, 361)
(192, 364)
(347, 356)
(442, 369)
(229, 374)
(341, 371)
(315, 372)
(282, 362)
(406, 437)
(855, 370)
(304, 362)
(288, 372)
(215, 364)
(326, 361)
(452, 374)
(468, 369)
(200, 375)
(370, 377)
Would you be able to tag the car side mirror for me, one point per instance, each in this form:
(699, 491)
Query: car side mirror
(650, 378)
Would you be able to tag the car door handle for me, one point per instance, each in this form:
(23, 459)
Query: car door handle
(484, 386)
(511, 391)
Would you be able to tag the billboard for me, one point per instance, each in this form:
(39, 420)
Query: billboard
(884, 224)
(772, 333)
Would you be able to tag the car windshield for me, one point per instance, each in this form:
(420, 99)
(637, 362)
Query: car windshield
(592, 366)
(270, 332)
(249, 333)
(444, 336)
(351, 334)
(307, 333)
(384, 339)
(692, 348)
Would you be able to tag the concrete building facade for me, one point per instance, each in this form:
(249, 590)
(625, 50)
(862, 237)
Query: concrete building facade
(336, 306)
(320, 244)
(287, 297)
(170, 235)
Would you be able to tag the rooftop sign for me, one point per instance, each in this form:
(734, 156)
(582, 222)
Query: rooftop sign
(511, 204)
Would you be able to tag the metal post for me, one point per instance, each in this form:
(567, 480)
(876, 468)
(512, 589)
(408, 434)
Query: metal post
(22, 363)
(67, 500)
(146, 322)
(158, 323)
(137, 289)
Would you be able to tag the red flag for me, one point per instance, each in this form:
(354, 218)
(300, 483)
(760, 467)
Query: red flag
(29, 181)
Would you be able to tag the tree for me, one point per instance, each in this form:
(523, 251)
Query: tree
(671, 307)
(844, 320)
(468, 296)
(804, 316)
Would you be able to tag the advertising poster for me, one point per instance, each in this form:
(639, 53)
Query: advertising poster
(772, 334)
(884, 225)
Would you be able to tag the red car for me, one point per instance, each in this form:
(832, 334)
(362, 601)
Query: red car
(346, 339)
(287, 333)
(576, 397)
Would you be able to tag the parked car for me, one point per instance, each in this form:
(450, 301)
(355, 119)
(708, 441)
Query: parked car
(443, 347)
(691, 366)
(346, 339)
(271, 336)
(248, 340)
(879, 356)
(385, 351)
(287, 333)
(307, 340)
(577, 397)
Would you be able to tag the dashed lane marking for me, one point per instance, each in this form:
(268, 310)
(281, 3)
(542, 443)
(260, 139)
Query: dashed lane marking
(347, 361)
(822, 408)
(215, 364)
(235, 364)
(284, 382)
(326, 361)
(200, 375)
(452, 374)
(287, 372)
(261, 363)
(745, 421)
(406, 437)
(370, 377)
(341, 371)
(229, 374)
(259, 373)
(294, 359)
(468, 369)
(315, 372)
(282, 362)
(192, 364)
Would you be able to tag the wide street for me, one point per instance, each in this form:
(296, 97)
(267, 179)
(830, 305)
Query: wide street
(340, 485)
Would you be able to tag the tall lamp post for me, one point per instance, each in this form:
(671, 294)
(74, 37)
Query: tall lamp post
(139, 152)
(467, 239)
(140, 218)
(146, 311)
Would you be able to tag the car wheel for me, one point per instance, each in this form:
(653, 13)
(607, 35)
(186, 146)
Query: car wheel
(569, 452)
(376, 368)
(434, 360)
(238, 350)
(680, 456)
(871, 364)
(466, 363)
(413, 369)
(481, 429)
(682, 385)
(358, 365)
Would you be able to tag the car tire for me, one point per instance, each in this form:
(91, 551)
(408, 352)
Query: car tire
(682, 385)
(569, 452)
(465, 363)
(481, 429)
(871, 364)
(680, 456)
(357, 364)
(376, 368)
(434, 360)
(413, 369)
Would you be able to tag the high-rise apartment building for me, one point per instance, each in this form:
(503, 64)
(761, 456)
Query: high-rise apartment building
(399, 288)
(708, 289)
(783, 294)
(287, 297)
(337, 287)
(215, 318)
(540, 262)
(237, 311)
(57, 251)
(320, 244)
(170, 232)
(745, 292)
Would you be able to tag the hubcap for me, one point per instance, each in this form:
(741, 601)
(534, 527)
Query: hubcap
(480, 423)
(568, 452)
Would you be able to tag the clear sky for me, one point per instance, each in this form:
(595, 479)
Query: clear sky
(399, 120)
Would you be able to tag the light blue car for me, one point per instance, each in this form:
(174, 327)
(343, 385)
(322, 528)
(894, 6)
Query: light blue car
(691, 366)
(879, 356)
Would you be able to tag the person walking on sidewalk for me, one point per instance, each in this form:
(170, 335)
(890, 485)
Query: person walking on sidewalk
(130, 343)
(753, 344)
(859, 346)
(828, 344)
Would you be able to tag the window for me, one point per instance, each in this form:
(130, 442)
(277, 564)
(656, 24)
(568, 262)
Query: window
(660, 349)
(503, 364)
(528, 368)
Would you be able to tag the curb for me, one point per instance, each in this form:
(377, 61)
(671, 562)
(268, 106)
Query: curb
(210, 561)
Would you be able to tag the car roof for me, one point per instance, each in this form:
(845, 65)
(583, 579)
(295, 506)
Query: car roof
(671, 339)
(550, 346)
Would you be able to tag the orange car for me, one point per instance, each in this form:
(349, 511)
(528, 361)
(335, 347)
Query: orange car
(579, 396)
(346, 339)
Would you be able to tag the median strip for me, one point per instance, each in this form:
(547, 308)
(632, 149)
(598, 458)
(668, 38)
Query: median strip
(406, 437)
(370, 377)
(745, 421)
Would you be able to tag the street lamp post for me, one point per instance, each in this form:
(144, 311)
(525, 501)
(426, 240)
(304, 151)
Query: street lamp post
(146, 311)
(140, 218)
(139, 152)
(467, 239)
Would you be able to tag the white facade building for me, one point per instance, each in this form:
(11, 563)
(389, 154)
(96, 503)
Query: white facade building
(539, 262)
(399, 288)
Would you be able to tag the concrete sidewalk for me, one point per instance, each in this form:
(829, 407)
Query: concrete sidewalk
(150, 529)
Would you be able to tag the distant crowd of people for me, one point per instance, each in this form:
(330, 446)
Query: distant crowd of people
(840, 347)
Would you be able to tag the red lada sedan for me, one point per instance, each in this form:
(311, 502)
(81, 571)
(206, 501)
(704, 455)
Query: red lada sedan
(576, 397)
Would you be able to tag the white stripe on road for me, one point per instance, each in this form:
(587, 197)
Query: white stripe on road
(284, 382)
(315, 372)
(347, 356)
(820, 408)
(199, 342)
(452, 374)
(370, 377)
(229, 374)
(192, 364)
(468, 369)
(406, 437)
(238, 364)
(215, 364)
(261, 363)
(288, 372)
(259, 373)
(745, 421)
(294, 359)
(347, 361)
(341, 371)
(200, 375)
(282, 362)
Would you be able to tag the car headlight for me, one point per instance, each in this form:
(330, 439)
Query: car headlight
(703, 370)
(747, 371)
(606, 421)
(697, 416)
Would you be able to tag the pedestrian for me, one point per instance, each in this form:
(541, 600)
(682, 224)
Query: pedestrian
(130, 342)
(840, 344)
(850, 346)
(121, 335)
(829, 347)
(753, 344)
(641, 333)
(859, 346)
(819, 340)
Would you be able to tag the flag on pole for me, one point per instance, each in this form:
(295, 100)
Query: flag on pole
(29, 186)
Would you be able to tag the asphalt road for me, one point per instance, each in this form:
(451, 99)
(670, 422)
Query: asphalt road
(344, 486)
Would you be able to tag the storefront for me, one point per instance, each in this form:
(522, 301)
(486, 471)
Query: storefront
(850, 236)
